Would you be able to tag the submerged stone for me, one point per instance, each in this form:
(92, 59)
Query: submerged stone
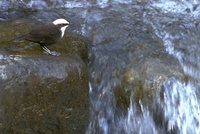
(142, 79)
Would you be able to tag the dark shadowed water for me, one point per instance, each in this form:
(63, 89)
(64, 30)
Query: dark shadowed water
(131, 43)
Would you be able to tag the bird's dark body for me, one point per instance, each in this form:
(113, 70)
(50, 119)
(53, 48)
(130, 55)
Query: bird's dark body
(47, 34)
(44, 34)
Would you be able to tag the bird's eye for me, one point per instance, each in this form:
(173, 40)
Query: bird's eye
(64, 24)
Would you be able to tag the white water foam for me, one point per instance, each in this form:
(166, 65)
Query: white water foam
(169, 46)
(141, 124)
(39, 4)
(77, 4)
(181, 104)
(122, 1)
(181, 107)
(102, 3)
(4, 5)
(175, 6)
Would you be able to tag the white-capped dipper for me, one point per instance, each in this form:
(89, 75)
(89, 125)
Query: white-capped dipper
(48, 34)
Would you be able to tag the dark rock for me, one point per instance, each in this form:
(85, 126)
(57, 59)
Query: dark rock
(43, 94)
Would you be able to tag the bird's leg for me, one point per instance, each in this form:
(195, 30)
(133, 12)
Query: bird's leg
(48, 51)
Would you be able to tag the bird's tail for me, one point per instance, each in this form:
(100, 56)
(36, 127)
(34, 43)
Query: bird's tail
(19, 38)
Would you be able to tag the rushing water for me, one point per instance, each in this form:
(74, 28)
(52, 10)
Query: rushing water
(181, 100)
(116, 28)
(181, 103)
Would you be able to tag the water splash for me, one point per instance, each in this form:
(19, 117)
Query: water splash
(186, 60)
(77, 4)
(141, 124)
(181, 107)
(174, 6)
(102, 3)
(189, 69)
(123, 1)
(4, 5)
(37, 4)
(169, 46)
(181, 104)
(102, 112)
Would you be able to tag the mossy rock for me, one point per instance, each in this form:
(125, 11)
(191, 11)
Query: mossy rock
(43, 94)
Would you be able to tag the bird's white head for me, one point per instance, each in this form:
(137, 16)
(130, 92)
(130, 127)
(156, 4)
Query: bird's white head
(62, 23)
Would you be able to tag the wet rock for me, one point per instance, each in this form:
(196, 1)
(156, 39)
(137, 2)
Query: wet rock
(43, 94)
(133, 59)
(143, 78)
(142, 84)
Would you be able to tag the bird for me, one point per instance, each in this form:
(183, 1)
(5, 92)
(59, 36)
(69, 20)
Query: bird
(48, 34)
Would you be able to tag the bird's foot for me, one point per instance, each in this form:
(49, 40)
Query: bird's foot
(47, 51)
(53, 53)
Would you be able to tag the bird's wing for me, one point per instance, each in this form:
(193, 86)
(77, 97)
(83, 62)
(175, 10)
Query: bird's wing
(45, 34)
